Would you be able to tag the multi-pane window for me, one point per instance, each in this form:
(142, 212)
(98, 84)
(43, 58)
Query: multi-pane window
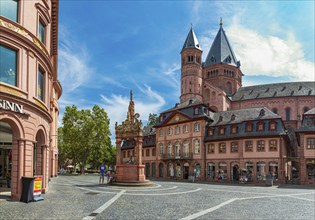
(249, 127)
(233, 129)
(196, 146)
(169, 131)
(177, 130)
(196, 127)
(310, 143)
(222, 148)
(249, 146)
(272, 126)
(210, 148)
(273, 145)
(41, 32)
(169, 148)
(147, 152)
(186, 148)
(221, 131)
(210, 132)
(234, 147)
(161, 132)
(8, 65)
(260, 126)
(9, 9)
(40, 85)
(196, 111)
(161, 149)
(153, 152)
(185, 128)
(260, 145)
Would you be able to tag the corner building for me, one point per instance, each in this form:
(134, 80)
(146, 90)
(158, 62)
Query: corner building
(29, 90)
(222, 131)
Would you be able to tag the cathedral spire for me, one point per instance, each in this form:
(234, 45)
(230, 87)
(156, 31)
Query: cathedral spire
(221, 51)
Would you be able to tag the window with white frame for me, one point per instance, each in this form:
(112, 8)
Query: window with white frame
(161, 133)
(161, 149)
(169, 148)
(196, 146)
(185, 128)
(196, 127)
(169, 131)
(177, 130)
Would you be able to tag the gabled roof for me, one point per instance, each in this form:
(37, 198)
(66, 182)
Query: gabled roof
(221, 51)
(308, 122)
(238, 116)
(191, 41)
(275, 90)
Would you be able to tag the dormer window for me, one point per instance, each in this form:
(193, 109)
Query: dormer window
(232, 117)
(210, 132)
(220, 118)
(196, 111)
(261, 113)
(260, 126)
(222, 131)
(272, 126)
(234, 129)
(249, 127)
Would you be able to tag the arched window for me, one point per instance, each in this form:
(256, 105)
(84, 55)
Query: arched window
(196, 146)
(211, 171)
(273, 170)
(177, 149)
(186, 148)
(169, 131)
(222, 171)
(305, 109)
(288, 114)
(197, 170)
(169, 149)
(261, 171)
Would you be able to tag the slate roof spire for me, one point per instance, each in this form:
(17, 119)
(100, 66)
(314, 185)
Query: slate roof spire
(221, 50)
(191, 40)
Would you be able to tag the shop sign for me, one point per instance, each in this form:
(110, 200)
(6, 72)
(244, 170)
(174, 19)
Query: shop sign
(37, 186)
(11, 106)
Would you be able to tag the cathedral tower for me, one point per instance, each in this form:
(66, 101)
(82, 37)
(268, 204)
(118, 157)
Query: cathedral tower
(191, 69)
(221, 67)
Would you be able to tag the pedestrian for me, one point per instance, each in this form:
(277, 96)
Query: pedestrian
(102, 173)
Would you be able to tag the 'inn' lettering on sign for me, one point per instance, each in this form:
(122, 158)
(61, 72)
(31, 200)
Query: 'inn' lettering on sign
(11, 106)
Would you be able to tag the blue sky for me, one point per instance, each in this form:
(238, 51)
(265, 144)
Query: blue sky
(107, 48)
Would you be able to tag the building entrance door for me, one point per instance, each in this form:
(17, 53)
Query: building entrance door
(5, 155)
(235, 173)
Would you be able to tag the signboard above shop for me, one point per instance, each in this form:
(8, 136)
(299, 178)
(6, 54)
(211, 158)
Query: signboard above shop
(11, 106)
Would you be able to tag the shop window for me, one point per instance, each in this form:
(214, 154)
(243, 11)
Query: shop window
(161, 149)
(197, 170)
(196, 127)
(249, 146)
(222, 171)
(177, 130)
(211, 171)
(222, 148)
(170, 170)
(260, 126)
(210, 148)
(273, 145)
(310, 143)
(234, 129)
(273, 170)
(310, 169)
(272, 126)
(8, 65)
(41, 31)
(234, 147)
(161, 132)
(147, 152)
(249, 127)
(261, 171)
(196, 146)
(260, 146)
(249, 167)
(40, 84)
(178, 170)
(169, 131)
(9, 9)
(185, 128)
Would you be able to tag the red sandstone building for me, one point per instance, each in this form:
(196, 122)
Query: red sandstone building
(221, 131)
(29, 90)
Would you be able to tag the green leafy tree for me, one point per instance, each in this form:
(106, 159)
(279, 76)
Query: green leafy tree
(152, 120)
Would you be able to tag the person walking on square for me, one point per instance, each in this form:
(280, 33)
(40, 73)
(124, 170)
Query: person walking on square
(102, 173)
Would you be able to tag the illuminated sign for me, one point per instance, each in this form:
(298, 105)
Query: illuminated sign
(11, 106)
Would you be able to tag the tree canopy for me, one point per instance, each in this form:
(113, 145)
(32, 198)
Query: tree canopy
(85, 137)
(153, 119)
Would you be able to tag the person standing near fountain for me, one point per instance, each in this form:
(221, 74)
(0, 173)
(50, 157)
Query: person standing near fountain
(102, 173)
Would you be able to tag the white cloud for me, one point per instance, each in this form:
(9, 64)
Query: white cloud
(116, 106)
(269, 55)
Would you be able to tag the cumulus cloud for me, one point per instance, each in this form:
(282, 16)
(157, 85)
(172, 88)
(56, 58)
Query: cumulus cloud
(116, 106)
(270, 55)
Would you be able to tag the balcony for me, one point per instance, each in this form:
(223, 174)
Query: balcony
(181, 156)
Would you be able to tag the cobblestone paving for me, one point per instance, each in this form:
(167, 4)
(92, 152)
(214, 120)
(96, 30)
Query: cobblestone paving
(80, 197)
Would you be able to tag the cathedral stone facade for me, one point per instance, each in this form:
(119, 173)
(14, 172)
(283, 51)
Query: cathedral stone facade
(222, 131)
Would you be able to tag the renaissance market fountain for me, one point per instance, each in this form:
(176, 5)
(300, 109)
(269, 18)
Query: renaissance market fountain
(129, 135)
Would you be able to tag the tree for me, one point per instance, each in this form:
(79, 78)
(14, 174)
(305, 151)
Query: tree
(86, 136)
(153, 119)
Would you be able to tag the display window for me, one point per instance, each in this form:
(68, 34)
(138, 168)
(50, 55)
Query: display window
(261, 171)
(222, 171)
(310, 169)
(273, 170)
(211, 171)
